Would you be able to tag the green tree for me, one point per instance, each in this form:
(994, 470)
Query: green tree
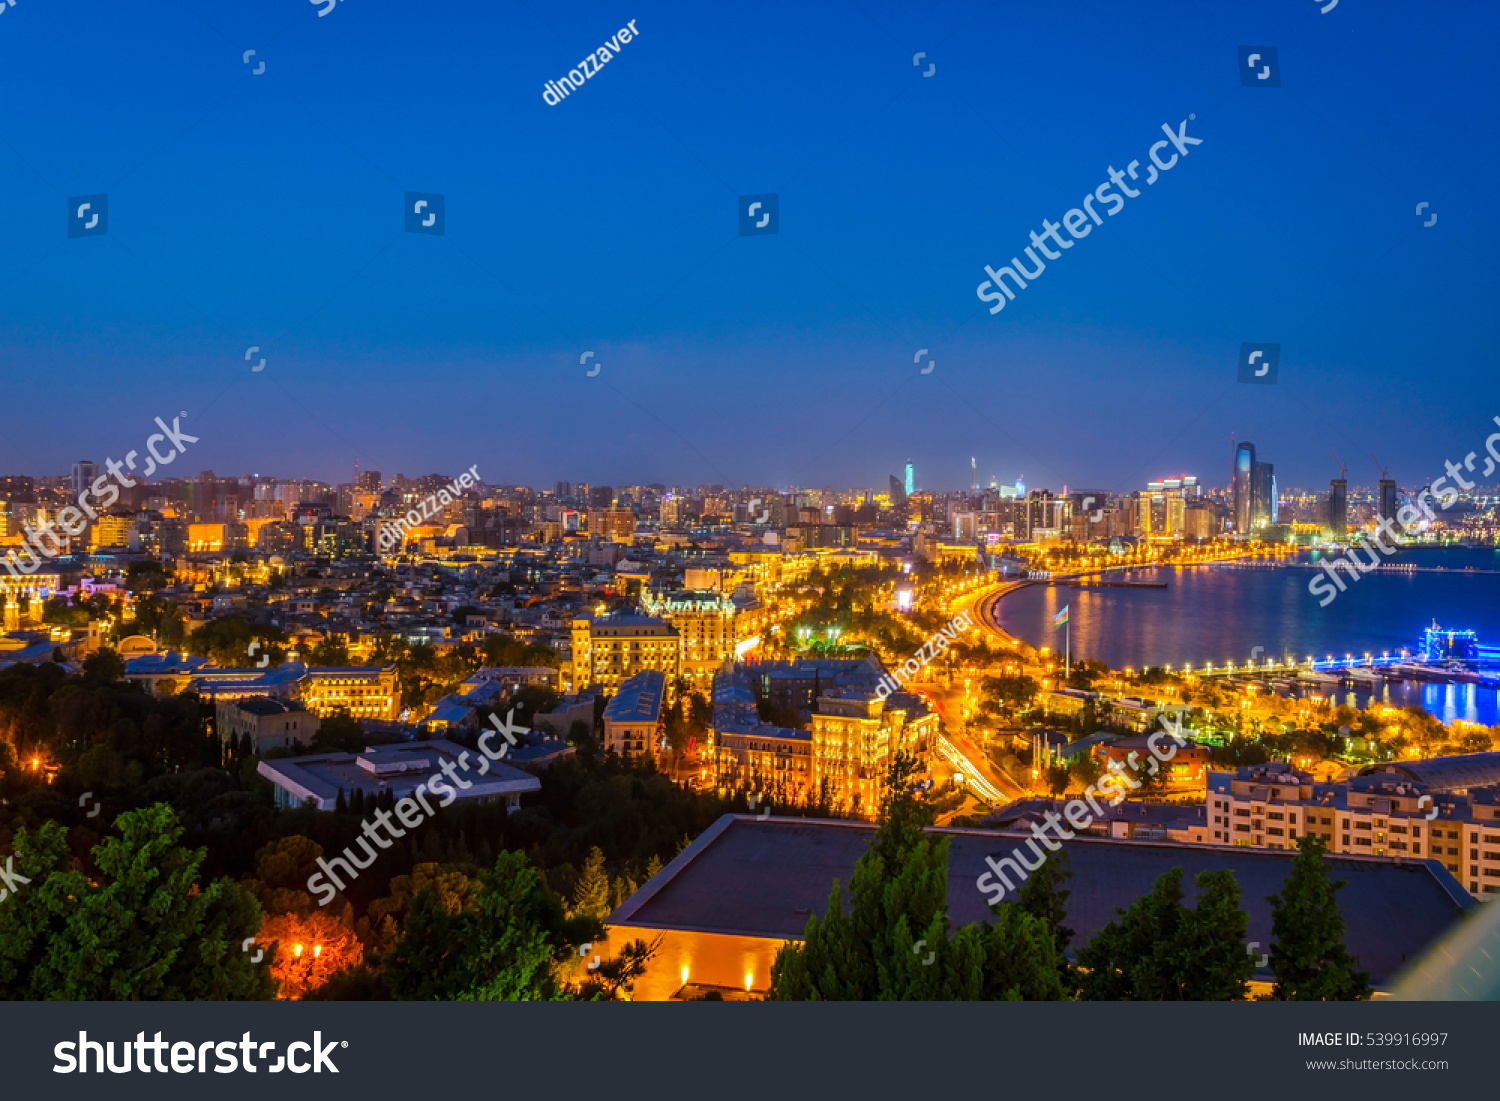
(591, 892)
(1308, 954)
(1042, 896)
(1159, 950)
(104, 665)
(330, 653)
(147, 930)
(893, 944)
(503, 948)
(340, 732)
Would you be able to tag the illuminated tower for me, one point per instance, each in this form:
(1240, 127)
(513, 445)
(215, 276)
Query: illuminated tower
(911, 478)
(973, 476)
(1243, 477)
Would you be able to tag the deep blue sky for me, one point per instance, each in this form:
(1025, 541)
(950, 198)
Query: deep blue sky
(267, 210)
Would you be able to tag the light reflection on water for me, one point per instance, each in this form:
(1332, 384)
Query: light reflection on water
(1220, 615)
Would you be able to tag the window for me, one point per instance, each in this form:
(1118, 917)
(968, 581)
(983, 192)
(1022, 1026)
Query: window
(1398, 829)
(1492, 873)
(1346, 839)
(1362, 841)
(1328, 821)
(1452, 851)
(1276, 816)
(1242, 829)
(1276, 831)
(1416, 849)
(1452, 835)
(1241, 813)
(1361, 825)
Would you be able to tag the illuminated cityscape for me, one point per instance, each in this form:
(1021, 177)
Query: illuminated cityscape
(464, 541)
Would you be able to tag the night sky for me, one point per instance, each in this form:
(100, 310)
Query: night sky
(267, 210)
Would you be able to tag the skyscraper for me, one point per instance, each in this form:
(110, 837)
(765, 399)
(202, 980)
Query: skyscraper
(1388, 503)
(911, 478)
(1241, 485)
(973, 476)
(84, 473)
(898, 492)
(1338, 506)
(1263, 495)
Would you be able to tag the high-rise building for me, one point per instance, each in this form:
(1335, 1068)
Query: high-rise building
(973, 476)
(1388, 502)
(1241, 485)
(1338, 506)
(368, 481)
(617, 525)
(911, 478)
(1263, 495)
(898, 492)
(84, 473)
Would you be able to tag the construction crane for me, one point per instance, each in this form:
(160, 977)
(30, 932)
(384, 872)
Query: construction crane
(1384, 472)
(1343, 469)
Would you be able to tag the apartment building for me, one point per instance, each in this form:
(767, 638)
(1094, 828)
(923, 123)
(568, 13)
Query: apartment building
(751, 754)
(856, 735)
(1443, 808)
(633, 718)
(707, 624)
(608, 650)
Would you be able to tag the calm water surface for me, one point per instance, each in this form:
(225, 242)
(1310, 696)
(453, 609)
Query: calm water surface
(1207, 614)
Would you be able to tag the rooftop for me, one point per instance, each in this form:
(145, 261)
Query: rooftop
(400, 769)
(639, 699)
(749, 877)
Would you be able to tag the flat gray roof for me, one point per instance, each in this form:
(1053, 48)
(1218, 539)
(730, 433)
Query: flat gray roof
(319, 777)
(759, 878)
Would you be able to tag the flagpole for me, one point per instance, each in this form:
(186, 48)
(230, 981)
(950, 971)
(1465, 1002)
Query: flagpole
(1068, 650)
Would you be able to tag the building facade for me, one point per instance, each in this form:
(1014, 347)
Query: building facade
(633, 717)
(1443, 809)
(608, 650)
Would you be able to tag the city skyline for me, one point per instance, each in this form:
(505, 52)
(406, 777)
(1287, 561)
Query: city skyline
(261, 211)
